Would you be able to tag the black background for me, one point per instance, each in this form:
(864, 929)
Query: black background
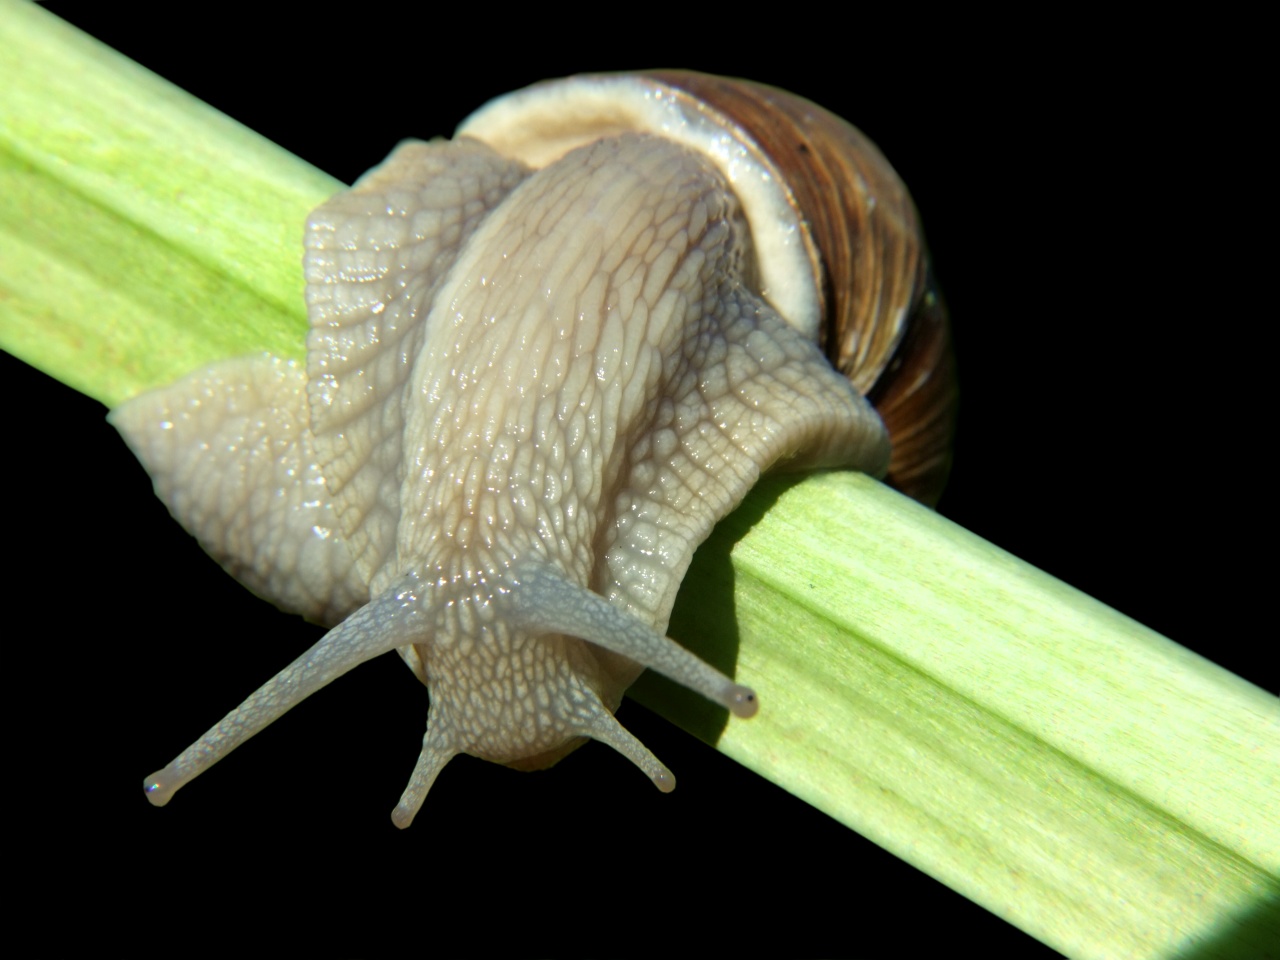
(1089, 200)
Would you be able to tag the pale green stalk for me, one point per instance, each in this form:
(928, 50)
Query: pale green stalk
(1102, 788)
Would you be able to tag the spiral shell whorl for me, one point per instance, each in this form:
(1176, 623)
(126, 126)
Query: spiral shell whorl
(884, 325)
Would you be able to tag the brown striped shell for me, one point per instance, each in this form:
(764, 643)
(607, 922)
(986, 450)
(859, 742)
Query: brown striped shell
(878, 315)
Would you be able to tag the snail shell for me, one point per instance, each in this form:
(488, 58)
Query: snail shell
(841, 251)
(545, 359)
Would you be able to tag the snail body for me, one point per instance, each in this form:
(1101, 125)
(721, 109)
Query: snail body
(544, 359)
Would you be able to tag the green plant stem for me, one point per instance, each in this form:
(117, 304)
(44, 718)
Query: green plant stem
(1090, 781)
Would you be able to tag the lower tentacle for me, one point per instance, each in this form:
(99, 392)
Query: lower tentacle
(608, 730)
(437, 750)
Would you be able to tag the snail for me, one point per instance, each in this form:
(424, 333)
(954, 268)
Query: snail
(544, 359)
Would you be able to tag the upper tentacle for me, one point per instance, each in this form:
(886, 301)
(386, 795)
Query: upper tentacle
(391, 620)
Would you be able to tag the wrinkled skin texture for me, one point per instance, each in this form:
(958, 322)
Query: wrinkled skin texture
(528, 397)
